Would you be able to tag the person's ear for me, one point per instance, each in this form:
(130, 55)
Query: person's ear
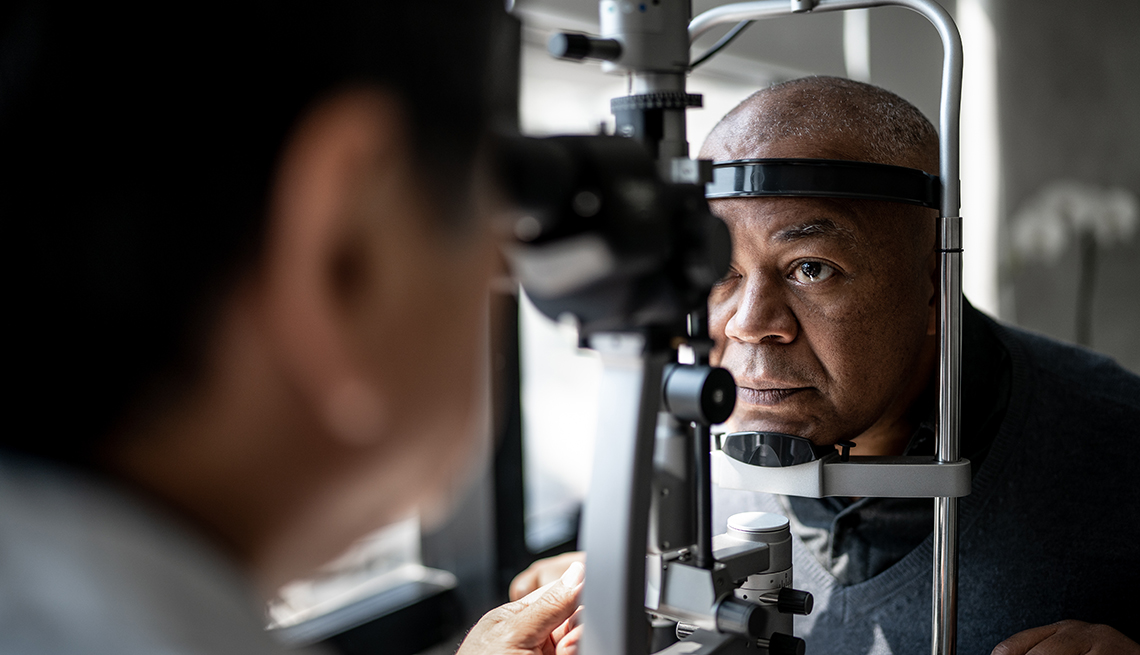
(341, 155)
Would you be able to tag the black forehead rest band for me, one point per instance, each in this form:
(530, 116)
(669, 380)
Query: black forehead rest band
(823, 178)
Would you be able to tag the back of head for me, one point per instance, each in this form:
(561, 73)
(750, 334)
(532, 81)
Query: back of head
(839, 118)
(138, 145)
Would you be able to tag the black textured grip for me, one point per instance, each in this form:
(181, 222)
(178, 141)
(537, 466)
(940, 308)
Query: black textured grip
(782, 644)
(662, 100)
(794, 601)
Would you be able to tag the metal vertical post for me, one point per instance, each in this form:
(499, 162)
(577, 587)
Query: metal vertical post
(945, 587)
(615, 521)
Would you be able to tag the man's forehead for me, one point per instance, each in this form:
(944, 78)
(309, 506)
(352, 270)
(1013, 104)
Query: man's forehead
(787, 220)
(728, 146)
(855, 225)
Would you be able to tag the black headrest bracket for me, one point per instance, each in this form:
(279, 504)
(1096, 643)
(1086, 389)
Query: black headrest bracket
(823, 178)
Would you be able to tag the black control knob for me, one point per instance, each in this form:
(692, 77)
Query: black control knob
(581, 46)
(782, 644)
(794, 601)
(705, 394)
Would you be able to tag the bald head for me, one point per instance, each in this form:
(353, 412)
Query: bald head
(826, 118)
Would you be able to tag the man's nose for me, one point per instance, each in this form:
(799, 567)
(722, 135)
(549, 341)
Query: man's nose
(763, 314)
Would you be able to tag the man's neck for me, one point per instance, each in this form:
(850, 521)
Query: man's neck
(891, 434)
(884, 440)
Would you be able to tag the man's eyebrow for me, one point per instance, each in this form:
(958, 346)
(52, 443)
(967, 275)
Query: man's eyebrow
(823, 228)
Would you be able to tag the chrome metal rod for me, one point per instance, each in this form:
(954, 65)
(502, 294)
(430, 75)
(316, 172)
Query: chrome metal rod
(736, 12)
(944, 610)
(950, 339)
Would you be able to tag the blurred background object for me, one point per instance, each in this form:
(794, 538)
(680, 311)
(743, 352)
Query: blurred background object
(1070, 110)
(1067, 215)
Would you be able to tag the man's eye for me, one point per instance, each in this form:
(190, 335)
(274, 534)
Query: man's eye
(812, 272)
(728, 277)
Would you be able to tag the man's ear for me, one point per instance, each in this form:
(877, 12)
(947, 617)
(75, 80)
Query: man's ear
(330, 170)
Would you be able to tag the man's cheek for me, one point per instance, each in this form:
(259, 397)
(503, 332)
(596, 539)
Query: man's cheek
(719, 314)
(717, 353)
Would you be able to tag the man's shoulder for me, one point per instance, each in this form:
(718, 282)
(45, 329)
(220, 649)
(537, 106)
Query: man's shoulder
(1078, 372)
(87, 568)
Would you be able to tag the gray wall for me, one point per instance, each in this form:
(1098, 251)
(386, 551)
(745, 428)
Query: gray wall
(906, 56)
(1069, 103)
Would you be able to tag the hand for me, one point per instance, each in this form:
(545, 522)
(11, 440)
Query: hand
(543, 572)
(1068, 637)
(545, 622)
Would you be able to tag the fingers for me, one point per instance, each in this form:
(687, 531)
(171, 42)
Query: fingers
(567, 626)
(524, 583)
(568, 645)
(1068, 638)
(567, 635)
(542, 572)
(528, 624)
(538, 622)
(556, 602)
(1020, 643)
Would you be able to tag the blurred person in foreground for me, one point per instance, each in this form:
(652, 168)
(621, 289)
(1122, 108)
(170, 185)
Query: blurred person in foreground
(827, 320)
(246, 318)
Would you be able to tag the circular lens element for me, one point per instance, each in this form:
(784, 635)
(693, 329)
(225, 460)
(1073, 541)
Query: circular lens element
(757, 522)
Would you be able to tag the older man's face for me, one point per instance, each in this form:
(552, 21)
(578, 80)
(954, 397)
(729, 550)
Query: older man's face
(825, 317)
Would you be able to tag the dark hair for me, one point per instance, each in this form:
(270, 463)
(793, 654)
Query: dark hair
(138, 145)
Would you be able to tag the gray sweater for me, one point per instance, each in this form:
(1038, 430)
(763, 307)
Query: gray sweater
(1051, 530)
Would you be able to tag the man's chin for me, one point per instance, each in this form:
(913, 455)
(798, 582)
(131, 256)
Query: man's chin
(807, 430)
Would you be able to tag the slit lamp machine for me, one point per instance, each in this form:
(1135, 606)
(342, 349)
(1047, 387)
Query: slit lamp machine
(616, 231)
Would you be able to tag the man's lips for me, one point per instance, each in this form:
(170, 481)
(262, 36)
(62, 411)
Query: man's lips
(766, 397)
